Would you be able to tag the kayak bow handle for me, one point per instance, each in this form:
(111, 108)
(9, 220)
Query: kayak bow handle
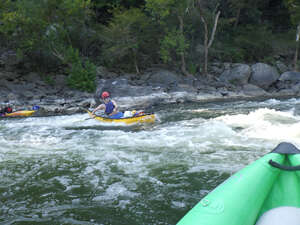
(283, 167)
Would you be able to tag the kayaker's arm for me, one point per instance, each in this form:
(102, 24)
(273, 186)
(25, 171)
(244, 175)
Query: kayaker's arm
(100, 107)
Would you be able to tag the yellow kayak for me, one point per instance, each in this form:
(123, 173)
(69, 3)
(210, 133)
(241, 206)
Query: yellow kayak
(143, 118)
(20, 113)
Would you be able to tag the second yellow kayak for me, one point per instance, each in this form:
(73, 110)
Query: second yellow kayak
(20, 113)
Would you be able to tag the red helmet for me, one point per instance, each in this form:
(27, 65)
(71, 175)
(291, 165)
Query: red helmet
(104, 95)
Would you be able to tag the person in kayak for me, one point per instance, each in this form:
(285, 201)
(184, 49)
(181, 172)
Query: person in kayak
(5, 110)
(110, 107)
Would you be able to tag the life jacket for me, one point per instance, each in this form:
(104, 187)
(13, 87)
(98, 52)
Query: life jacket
(8, 110)
(109, 107)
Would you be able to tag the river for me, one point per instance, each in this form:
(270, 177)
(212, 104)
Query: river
(69, 170)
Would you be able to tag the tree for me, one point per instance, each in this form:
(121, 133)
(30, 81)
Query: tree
(124, 36)
(51, 26)
(294, 8)
(204, 15)
(237, 5)
(45, 25)
(247, 9)
(165, 11)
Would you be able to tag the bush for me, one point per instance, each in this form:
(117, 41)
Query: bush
(231, 53)
(82, 76)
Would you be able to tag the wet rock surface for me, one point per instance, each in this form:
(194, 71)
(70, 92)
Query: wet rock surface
(156, 86)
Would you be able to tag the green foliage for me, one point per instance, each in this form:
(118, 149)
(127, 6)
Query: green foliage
(131, 34)
(192, 68)
(251, 44)
(230, 53)
(294, 8)
(48, 79)
(171, 16)
(40, 25)
(269, 60)
(125, 36)
(82, 74)
(159, 8)
(167, 11)
(72, 56)
(172, 45)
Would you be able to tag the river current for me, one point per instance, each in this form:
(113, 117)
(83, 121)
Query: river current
(74, 170)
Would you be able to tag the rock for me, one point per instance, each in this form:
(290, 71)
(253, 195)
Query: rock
(154, 87)
(163, 78)
(87, 103)
(282, 68)
(217, 68)
(12, 97)
(27, 94)
(188, 80)
(296, 88)
(120, 88)
(102, 72)
(238, 75)
(185, 88)
(253, 90)
(59, 81)
(290, 76)
(263, 75)
(8, 76)
(287, 92)
(9, 58)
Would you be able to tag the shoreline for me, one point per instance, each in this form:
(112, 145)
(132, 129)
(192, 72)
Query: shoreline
(237, 82)
(140, 103)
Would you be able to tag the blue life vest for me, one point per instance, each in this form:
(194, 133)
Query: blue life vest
(109, 107)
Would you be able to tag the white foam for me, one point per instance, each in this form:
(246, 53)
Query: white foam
(114, 161)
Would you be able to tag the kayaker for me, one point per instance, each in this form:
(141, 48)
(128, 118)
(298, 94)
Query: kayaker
(110, 107)
(6, 109)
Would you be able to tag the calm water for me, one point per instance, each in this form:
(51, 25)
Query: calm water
(67, 170)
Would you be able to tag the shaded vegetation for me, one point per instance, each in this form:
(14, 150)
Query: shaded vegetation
(75, 36)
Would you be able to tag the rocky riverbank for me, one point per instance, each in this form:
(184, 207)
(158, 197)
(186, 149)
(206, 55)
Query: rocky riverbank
(155, 86)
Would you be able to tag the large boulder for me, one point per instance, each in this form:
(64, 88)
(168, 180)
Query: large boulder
(263, 75)
(290, 76)
(9, 76)
(102, 72)
(163, 78)
(238, 74)
(34, 78)
(120, 87)
(288, 83)
(253, 90)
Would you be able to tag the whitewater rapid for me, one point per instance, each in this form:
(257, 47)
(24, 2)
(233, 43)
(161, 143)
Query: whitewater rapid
(75, 170)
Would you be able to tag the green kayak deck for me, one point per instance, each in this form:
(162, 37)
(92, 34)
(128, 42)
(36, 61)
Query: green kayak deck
(270, 182)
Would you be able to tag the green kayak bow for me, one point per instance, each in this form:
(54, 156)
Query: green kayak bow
(271, 182)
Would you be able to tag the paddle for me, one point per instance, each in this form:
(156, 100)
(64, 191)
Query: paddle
(88, 111)
(79, 121)
(87, 119)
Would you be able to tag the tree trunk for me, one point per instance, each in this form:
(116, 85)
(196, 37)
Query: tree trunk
(205, 45)
(136, 63)
(297, 49)
(208, 43)
(237, 19)
(182, 56)
(296, 56)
